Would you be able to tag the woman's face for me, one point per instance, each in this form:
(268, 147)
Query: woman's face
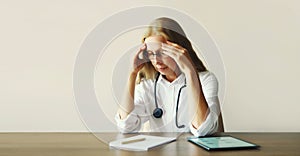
(163, 63)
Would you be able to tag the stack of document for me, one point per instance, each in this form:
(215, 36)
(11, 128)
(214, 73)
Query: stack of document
(140, 142)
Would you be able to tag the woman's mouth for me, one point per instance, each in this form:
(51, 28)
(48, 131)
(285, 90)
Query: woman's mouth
(161, 67)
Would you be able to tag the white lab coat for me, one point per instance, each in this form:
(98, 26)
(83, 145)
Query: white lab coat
(167, 94)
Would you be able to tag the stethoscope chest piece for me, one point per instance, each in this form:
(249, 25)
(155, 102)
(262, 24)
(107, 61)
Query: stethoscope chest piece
(157, 113)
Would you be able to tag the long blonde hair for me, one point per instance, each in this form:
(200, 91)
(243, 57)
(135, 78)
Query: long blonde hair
(172, 31)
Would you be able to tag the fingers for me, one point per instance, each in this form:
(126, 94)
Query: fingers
(173, 44)
(176, 52)
(144, 46)
(140, 52)
(173, 47)
(173, 50)
(139, 59)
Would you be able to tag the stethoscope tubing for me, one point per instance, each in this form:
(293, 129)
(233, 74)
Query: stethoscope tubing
(157, 113)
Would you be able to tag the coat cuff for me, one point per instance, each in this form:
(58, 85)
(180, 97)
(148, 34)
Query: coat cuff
(131, 123)
(209, 126)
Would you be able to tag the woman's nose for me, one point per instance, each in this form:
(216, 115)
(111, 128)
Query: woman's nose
(156, 59)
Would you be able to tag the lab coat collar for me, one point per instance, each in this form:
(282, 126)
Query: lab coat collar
(179, 80)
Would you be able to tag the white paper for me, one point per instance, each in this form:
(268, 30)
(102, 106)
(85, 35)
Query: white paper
(149, 142)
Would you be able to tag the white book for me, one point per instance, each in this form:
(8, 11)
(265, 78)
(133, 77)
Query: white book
(140, 142)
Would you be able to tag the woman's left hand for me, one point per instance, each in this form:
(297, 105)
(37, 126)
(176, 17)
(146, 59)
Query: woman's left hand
(180, 55)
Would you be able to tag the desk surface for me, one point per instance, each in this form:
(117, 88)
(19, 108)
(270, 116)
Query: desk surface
(73, 144)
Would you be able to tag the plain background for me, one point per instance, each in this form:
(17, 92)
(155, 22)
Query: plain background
(258, 40)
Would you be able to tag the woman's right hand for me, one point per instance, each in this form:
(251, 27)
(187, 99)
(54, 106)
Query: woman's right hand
(139, 59)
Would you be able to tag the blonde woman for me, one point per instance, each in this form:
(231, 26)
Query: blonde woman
(169, 86)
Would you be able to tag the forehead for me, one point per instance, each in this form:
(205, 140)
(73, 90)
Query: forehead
(154, 42)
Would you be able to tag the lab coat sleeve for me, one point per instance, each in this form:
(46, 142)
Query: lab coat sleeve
(134, 120)
(210, 90)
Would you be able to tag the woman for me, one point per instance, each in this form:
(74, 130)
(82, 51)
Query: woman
(169, 86)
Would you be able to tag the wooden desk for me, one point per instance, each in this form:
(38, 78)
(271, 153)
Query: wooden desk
(86, 144)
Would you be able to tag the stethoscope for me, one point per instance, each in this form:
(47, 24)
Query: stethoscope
(158, 112)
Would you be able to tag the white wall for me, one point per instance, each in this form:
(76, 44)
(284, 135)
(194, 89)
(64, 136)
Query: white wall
(258, 41)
